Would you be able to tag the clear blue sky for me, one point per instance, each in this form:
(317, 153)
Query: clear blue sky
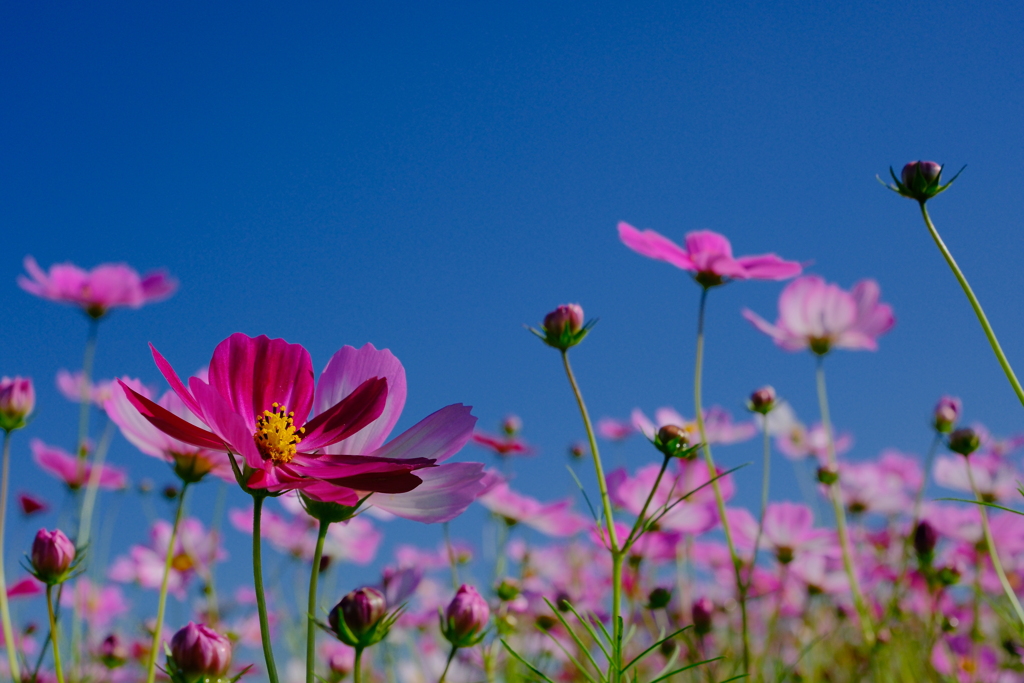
(429, 179)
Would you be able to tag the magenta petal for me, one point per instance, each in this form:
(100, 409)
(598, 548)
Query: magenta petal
(653, 245)
(328, 493)
(172, 378)
(252, 374)
(343, 466)
(347, 370)
(772, 331)
(169, 423)
(446, 491)
(226, 423)
(438, 436)
(769, 267)
(356, 411)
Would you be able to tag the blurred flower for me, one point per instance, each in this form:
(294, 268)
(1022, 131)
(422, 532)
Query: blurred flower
(995, 477)
(194, 554)
(53, 555)
(615, 430)
(946, 414)
(98, 605)
(30, 504)
(29, 587)
(17, 400)
(106, 286)
(466, 618)
(553, 519)
(74, 472)
(708, 255)
(718, 425)
(788, 531)
(818, 316)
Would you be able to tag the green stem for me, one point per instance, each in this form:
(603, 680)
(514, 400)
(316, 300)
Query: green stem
(5, 609)
(713, 476)
(992, 552)
(357, 673)
(975, 304)
(261, 600)
(635, 533)
(613, 541)
(54, 635)
(154, 650)
(451, 556)
(765, 485)
(867, 629)
(93, 485)
(311, 605)
(451, 656)
(85, 400)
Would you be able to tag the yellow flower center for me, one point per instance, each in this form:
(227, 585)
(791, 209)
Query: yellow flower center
(276, 436)
(182, 562)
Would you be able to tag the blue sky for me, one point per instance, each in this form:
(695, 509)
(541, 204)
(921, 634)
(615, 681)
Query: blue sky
(430, 178)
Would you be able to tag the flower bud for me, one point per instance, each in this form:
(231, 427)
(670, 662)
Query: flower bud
(198, 650)
(762, 401)
(512, 425)
(964, 441)
(508, 589)
(828, 475)
(17, 399)
(355, 619)
(53, 556)
(920, 180)
(659, 598)
(925, 538)
(563, 327)
(947, 414)
(466, 618)
(113, 653)
(929, 171)
(701, 612)
(674, 442)
(577, 451)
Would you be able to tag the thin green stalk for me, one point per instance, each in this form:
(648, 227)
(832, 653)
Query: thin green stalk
(54, 635)
(357, 672)
(713, 475)
(635, 532)
(765, 485)
(93, 485)
(613, 541)
(85, 400)
(5, 609)
(992, 552)
(867, 629)
(451, 656)
(261, 600)
(154, 650)
(451, 556)
(311, 605)
(975, 304)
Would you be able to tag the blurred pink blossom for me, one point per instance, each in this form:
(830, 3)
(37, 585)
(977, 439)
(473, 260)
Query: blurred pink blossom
(74, 472)
(718, 425)
(553, 519)
(98, 605)
(615, 430)
(194, 554)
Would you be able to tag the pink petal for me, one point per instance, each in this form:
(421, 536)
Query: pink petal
(769, 267)
(226, 423)
(437, 437)
(353, 413)
(446, 492)
(169, 423)
(653, 245)
(176, 384)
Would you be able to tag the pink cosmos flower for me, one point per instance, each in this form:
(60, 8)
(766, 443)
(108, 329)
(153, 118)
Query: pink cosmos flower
(708, 256)
(788, 531)
(552, 519)
(98, 605)
(29, 587)
(256, 405)
(106, 286)
(501, 445)
(887, 486)
(718, 425)
(797, 442)
(694, 515)
(820, 316)
(194, 554)
(74, 472)
(31, 504)
(615, 430)
(190, 460)
(995, 477)
(353, 541)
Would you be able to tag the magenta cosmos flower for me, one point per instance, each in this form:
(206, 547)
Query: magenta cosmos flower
(106, 286)
(257, 405)
(708, 256)
(819, 316)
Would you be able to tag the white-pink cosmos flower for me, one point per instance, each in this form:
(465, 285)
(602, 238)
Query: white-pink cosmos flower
(718, 425)
(820, 316)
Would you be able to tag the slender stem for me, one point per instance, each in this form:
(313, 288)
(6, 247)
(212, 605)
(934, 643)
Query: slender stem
(5, 609)
(54, 635)
(635, 532)
(154, 650)
(992, 551)
(311, 605)
(85, 400)
(765, 485)
(840, 511)
(93, 485)
(357, 673)
(975, 304)
(261, 600)
(713, 476)
(451, 656)
(451, 556)
(613, 541)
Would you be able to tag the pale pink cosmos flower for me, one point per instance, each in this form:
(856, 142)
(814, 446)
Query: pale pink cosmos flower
(195, 551)
(995, 477)
(552, 519)
(819, 316)
(718, 425)
(708, 255)
(109, 285)
(795, 441)
(682, 487)
(409, 556)
(998, 446)
(788, 531)
(74, 472)
(98, 605)
(71, 387)
(355, 540)
(887, 486)
(615, 430)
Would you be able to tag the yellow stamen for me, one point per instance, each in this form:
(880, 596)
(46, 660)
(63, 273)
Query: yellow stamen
(276, 436)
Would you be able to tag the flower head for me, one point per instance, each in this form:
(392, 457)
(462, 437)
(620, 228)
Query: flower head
(198, 650)
(466, 618)
(361, 618)
(563, 327)
(708, 256)
(946, 414)
(17, 400)
(920, 180)
(53, 556)
(74, 472)
(819, 316)
(106, 286)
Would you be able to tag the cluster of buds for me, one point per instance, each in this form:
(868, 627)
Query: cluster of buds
(946, 414)
(762, 401)
(674, 442)
(54, 558)
(198, 653)
(920, 180)
(964, 441)
(17, 400)
(361, 619)
(563, 327)
(464, 623)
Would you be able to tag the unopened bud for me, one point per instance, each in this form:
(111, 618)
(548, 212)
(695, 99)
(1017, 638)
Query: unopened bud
(964, 441)
(577, 451)
(466, 618)
(920, 180)
(674, 442)
(659, 598)
(198, 650)
(17, 400)
(701, 612)
(355, 619)
(929, 171)
(828, 475)
(562, 601)
(53, 555)
(170, 492)
(762, 401)
(925, 538)
(508, 589)
(563, 327)
(113, 653)
(946, 415)
(512, 425)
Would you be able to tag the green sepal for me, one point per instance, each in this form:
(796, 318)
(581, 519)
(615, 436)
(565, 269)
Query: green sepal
(567, 339)
(920, 189)
(329, 513)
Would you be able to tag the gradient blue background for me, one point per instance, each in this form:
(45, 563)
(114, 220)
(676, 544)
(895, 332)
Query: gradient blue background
(430, 178)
